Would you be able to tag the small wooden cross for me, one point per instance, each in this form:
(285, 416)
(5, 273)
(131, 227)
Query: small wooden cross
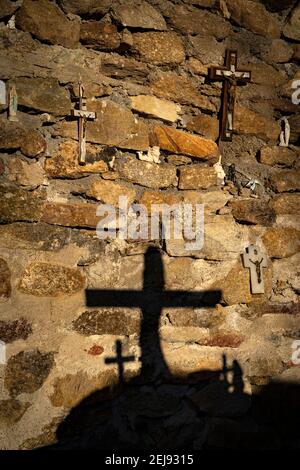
(12, 103)
(231, 77)
(255, 261)
(120, 360)
(83, 116)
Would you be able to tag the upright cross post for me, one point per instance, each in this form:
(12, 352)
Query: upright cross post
(120, 360)
(12, 103)
(255, 261)
(83, 116)
(231, 77)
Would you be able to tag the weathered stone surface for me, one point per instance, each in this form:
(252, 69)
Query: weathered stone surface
(213, 200)
(171, 86)
(7, 8)
(124, 67)
(249, 122)
(294, 121)
(296, 54)
(259, 358)
(147, 174)
(149, 198)
(109, 192)
(29, 141)
(44, 20)
(263, 74)
(159, 48)
(286, 204)
(11, 411)
(155, 107)
(285, 181)
(277, 155)
(11, 330)
(64, 163)
(70, 390)
(25, 174)
(102, 36)
(70, 214)
(18, 204)
(138, 14)
(197, 177)
(115, 126)
(253, 211)
(235, 286)
(281, 242)
(108, 321)
(196, 66)
(205, 125)
(279, 52)
(196, 21)
(283, 309)
(44, 279)
(27, 371)
(5, 285)
(223, 240)
(43, 95)
(178, 160)
(292, 28)
(253, 16)
(207, 49)
(176, 141)
(85, 7)
(286, 279)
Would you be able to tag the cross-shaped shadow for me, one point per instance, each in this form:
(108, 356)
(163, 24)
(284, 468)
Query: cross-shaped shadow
(151, 300)
(160, 411)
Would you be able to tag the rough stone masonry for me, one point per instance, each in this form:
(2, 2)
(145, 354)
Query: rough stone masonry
(144, 66)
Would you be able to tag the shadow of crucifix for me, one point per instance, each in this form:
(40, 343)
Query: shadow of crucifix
(151, 300)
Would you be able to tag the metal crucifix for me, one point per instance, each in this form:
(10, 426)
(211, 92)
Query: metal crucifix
(83, 116)
(231, 77)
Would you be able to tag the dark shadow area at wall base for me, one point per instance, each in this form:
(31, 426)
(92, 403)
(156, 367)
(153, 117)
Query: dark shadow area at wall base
(157, 411)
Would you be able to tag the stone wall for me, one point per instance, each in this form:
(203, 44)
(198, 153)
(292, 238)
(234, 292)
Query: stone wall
(144, 66)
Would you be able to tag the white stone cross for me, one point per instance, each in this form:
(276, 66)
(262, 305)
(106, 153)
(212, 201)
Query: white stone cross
(255, 260)
(83, 114)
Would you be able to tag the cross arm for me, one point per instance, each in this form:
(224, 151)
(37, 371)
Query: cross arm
(138, 299)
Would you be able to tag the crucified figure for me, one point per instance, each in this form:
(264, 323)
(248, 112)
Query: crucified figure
(232, 83)
(258, 269)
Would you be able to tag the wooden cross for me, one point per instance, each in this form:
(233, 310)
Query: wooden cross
(83, 116)
(255, 261)
(231, 77)
(120, 360)
(12, 103)
(151, 300)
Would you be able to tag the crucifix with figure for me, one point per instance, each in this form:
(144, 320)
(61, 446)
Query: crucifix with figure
(151, 300)
(255, 260)
(231, 77)
(83, 115)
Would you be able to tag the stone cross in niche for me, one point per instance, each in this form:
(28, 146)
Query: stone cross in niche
(255, 261)
(231, 77)
(120, 360)
(83, 114)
